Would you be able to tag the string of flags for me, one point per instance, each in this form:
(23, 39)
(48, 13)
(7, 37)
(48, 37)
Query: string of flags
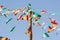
(24, 16)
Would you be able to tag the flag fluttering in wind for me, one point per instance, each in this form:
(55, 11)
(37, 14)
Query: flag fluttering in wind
(54, 25)
(43, 11)
(8, 20)
(12, 29)
(45, 35)
(4, 38)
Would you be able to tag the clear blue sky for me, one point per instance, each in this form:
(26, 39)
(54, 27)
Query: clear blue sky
(21, 26)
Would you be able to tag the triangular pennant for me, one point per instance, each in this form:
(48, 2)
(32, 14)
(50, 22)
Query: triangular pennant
(7, 21)
(20, 17)
(49, 29)
(38, 24)
(5, 15)
(54, 25)
(1, 6)
(35, 14)
(25, 17)
(16, 12)
(12, 29)
(23, 9)
(29, 6)
(43, 11)
(28, 31)
(45, 35)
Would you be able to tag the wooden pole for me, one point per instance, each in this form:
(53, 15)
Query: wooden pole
(30, 24)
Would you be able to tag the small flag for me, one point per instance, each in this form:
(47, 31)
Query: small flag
(3, 38)
(20, 17)
(25, 17)
(35, 14)
(29, 6)
(8, 20)
(1, 6)
(28, 31)
(54, 25)
(43, 11)
(4, 8)
(49, 29)
(16, 12)
(45, 35)
(12, 29)
(5, 15)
